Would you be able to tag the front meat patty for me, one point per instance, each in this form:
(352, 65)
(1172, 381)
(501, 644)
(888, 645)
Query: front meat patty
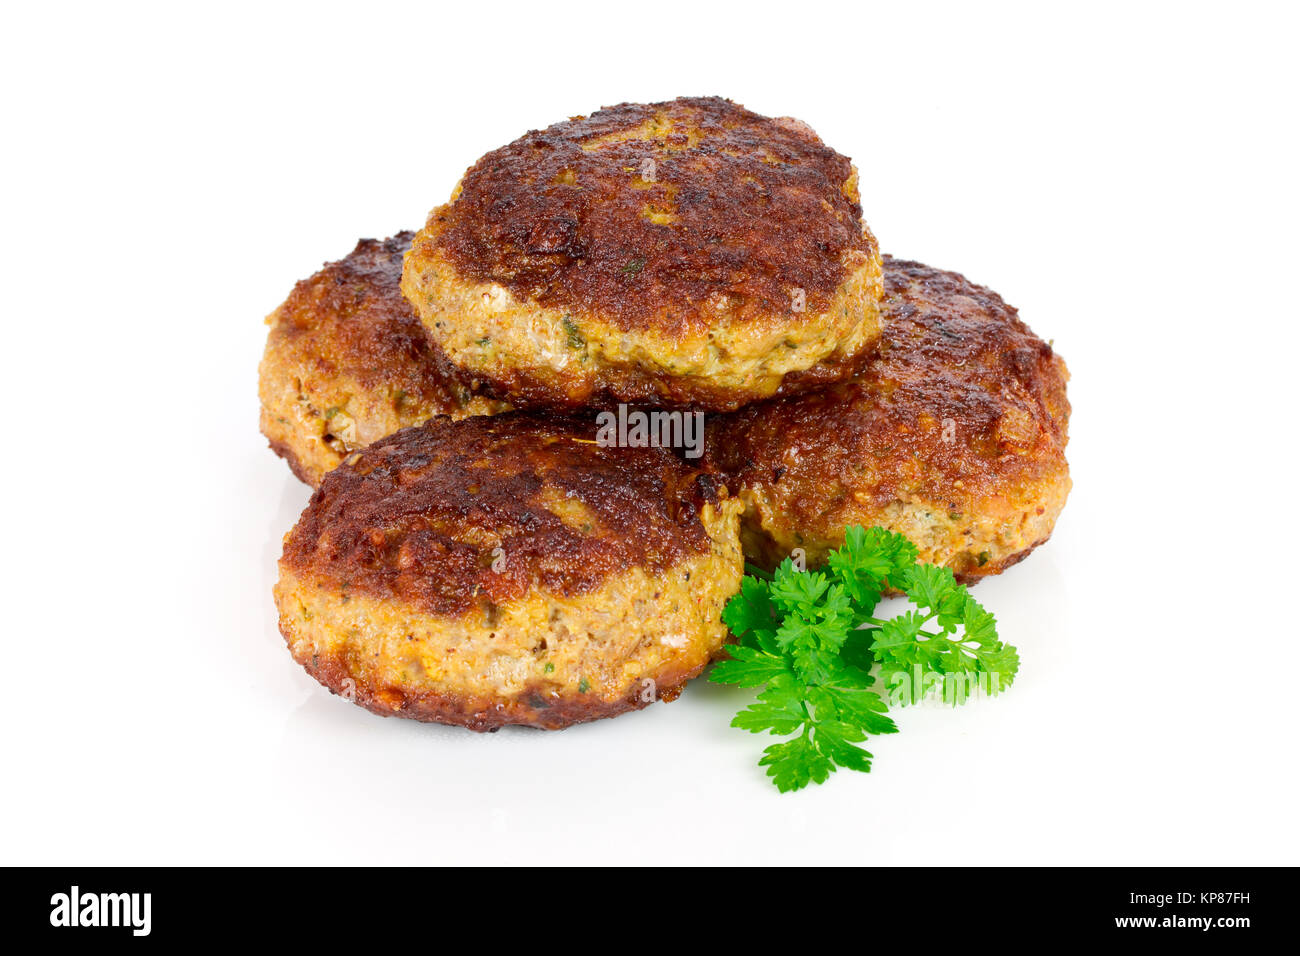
(509, 570)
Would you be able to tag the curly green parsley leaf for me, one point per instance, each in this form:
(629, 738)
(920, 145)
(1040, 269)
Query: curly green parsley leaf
(811, 641)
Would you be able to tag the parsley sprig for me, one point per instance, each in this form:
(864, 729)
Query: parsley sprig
(812, 641)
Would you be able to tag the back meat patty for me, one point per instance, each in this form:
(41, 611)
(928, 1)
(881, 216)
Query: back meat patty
(954, 435)
(347, 362)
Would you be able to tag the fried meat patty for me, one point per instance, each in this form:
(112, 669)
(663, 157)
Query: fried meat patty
(687, 253)
(347, 362)
(954, 435)
(509, 570)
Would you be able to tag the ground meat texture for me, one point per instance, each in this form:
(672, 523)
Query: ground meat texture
(347, 362)
(688, 253)
(954, 435)
(509, 570)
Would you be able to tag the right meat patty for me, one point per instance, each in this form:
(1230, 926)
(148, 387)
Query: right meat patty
(954, 435)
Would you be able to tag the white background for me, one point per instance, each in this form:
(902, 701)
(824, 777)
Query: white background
(1126, 175)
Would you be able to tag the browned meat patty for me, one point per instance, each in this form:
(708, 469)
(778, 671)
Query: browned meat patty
(954, 435)
(347, 362)
(687, 253)
(509, 570)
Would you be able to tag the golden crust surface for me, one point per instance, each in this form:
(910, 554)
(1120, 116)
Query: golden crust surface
(508, 570)
(680, 253)
(347, 362)
(543, 661)
(954, 434)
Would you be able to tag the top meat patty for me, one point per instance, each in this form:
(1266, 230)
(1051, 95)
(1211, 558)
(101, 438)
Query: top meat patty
(953, 435)
(680, 253)
(347, 362)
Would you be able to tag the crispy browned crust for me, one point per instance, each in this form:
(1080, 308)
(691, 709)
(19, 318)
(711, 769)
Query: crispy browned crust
(351, 316)
(348, 328)
(962, 406)
(972, 576)
(418, 515)
(285, 451)
(532, 708)
(637, 387)
(761, 207)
